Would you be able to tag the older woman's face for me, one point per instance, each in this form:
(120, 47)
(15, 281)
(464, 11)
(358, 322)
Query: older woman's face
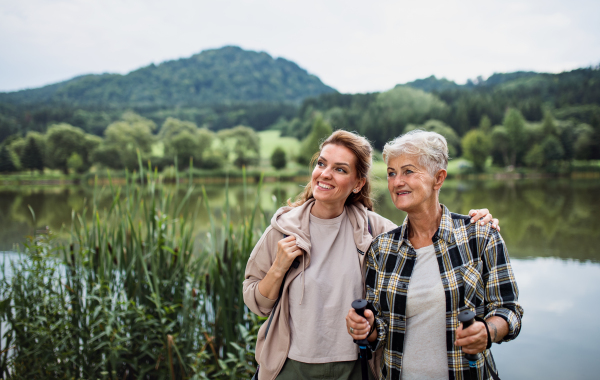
(409, 183)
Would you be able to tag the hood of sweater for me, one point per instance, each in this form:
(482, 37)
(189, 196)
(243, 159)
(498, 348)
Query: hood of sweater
(295, 221)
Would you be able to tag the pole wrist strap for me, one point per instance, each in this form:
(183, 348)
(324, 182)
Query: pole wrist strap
(487, 329)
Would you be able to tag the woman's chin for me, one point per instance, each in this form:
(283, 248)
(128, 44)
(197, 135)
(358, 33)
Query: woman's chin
(322, 198)
(404, 206)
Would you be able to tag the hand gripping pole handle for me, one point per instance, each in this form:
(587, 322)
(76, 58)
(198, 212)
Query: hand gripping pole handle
(467, 317)
(359, 306)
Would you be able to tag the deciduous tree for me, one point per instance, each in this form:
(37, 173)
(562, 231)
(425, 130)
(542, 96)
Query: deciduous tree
(126, 137)
(320, 131)
(63, 140)
(515, 129)
(184, 140)
(278, 159)
(476, 148)
(243, 143)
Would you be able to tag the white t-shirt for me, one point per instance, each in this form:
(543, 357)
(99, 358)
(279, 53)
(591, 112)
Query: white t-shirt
(425, 356)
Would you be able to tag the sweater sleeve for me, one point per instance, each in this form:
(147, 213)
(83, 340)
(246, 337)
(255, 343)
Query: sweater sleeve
(258, 265)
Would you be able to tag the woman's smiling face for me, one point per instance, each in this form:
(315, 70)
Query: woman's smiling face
(410, 184)
(334, 176)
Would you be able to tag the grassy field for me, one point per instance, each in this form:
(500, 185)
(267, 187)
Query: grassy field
(269, 140)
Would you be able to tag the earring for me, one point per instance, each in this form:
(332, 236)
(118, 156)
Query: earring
(355, 190)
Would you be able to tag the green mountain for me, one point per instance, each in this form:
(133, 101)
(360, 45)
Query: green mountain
(572, 97)
(500, 78)
(433, 84)
(217, 76)
(566, 89)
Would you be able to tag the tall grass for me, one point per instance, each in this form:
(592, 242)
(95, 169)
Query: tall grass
(133, 294)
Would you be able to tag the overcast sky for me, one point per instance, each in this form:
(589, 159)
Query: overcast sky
(353, 46)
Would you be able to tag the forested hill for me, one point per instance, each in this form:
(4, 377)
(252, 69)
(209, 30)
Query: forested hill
(433, 84)
(225, 75)
(572, 97)
(576, 87)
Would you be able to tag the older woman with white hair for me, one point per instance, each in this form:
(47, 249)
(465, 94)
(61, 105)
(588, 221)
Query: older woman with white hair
(421, 275)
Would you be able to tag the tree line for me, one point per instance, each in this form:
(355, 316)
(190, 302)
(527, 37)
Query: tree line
(534, 120)
(128, 141)
(21, 119)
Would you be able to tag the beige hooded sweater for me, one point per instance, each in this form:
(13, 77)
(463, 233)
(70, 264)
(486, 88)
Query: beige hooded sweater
(272, 352)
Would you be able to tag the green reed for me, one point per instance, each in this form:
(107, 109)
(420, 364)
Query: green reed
(133, 294)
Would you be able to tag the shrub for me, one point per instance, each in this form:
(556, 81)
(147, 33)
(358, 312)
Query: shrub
(278, 159)
(75, 163)
(476, 147)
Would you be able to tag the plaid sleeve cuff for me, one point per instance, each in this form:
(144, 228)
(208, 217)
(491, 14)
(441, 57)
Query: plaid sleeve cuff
(381, 334)
(513, 319)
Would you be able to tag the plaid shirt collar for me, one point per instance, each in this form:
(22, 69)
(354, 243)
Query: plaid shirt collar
(445, 230)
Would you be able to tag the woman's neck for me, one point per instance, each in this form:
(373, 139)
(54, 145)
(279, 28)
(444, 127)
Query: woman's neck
(326, 211)
(423, 225)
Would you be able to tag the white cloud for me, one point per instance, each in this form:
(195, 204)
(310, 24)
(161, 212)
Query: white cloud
(351, 45)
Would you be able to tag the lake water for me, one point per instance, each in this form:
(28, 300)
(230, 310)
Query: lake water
(551, 228)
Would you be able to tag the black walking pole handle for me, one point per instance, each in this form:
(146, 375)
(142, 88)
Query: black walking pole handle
(466, 317)
(359, 306)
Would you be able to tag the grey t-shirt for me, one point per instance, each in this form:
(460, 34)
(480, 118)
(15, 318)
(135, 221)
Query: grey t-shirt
(332, 281)
(425, 356)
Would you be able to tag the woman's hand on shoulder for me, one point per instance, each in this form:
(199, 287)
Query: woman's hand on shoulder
(483, 216)
(287, 251)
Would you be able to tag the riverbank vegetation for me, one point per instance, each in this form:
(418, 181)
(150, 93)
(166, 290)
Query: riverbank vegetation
(132, 292)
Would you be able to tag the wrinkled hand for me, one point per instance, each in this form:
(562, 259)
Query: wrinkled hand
(485, 216)
(473, 340)
(287, 251)
(361, 325)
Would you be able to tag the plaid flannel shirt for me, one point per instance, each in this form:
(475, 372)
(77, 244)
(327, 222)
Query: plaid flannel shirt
(476, 274)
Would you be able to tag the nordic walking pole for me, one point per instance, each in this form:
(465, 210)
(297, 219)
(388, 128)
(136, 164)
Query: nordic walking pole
(466, 317)
(359, 306)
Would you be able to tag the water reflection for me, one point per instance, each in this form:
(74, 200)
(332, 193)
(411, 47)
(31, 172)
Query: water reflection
(559, 337)
(549, 218)
(543, 218)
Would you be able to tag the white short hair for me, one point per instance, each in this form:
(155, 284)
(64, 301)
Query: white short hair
(430, 147)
